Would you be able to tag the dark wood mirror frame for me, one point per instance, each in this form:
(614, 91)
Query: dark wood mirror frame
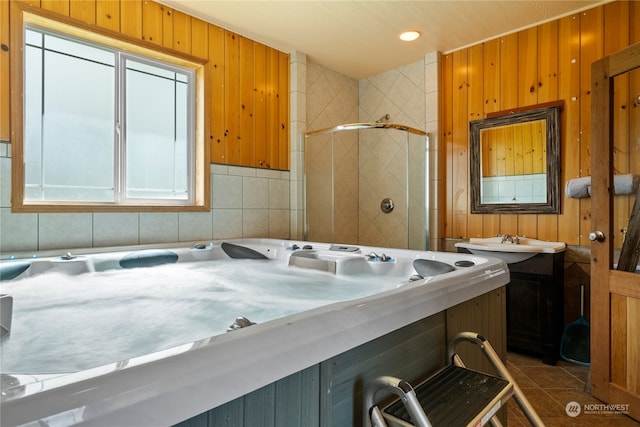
(551, 114)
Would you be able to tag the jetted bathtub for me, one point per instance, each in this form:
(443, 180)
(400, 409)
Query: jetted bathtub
(155, 336)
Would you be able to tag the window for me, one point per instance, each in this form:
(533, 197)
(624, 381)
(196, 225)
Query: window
(106, 125)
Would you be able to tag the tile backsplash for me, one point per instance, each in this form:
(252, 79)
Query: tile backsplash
(245, 202)
(530, 188)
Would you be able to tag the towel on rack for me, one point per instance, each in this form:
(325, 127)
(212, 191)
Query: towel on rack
(578, 188)
(625, 184)
(581, 187)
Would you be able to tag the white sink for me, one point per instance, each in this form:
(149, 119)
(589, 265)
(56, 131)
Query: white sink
(511, 252)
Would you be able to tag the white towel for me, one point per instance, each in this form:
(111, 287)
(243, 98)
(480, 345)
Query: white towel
(581, 187)
(625, 184)
(578, 187)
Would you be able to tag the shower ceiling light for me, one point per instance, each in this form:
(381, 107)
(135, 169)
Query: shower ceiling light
(409, 36)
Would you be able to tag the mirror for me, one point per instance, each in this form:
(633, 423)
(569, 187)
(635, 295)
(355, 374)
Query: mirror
(515, 161)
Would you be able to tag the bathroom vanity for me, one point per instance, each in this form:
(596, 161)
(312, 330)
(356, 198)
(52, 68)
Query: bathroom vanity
(535, 306)
(535, 302)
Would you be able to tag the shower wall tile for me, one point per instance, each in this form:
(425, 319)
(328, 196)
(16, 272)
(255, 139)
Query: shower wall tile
(298, 104)
(115, 229)
(297, 144)
(371, 102)
(298, 68)
(332, 99)
(297, 127)
(297, 183)
(432, 107)
(415, 73)
(297, 223)
(384, 82)
(65, 231)
(431, 72)
(433, 88)
(400, 93)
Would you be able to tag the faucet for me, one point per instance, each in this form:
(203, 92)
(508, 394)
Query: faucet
(509, 238)
(372, 256)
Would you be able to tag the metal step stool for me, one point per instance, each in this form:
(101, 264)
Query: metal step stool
(454, 396)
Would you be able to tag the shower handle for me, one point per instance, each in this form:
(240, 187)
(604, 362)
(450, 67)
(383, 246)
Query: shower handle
(386, 205)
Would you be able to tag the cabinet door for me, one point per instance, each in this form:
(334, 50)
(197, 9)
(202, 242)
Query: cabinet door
(525, 312)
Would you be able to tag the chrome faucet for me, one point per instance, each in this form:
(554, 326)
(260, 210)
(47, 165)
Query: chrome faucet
(509, 238)
(372, 256)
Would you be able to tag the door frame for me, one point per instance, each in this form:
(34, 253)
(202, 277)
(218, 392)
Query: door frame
(606, 283)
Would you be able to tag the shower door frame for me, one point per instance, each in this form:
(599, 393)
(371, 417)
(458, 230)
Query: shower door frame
(364, 126)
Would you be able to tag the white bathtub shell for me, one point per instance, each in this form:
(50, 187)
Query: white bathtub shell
(170, 386)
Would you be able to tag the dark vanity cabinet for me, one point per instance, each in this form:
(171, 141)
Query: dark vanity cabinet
(535, 302)
(535, 306)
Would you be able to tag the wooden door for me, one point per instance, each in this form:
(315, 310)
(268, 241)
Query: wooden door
(615, 294)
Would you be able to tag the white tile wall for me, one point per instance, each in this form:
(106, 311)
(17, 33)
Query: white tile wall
(246, 202)
(297, 127)
(73, 229)
(401, 93)
(378, 158)
(115, 229)
(433, 91)
(514, 189)
(18, 232)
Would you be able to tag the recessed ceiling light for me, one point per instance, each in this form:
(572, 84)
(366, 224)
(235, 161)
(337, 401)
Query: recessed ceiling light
(410, 36)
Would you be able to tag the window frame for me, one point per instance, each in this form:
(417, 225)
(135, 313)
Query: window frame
(23, 15)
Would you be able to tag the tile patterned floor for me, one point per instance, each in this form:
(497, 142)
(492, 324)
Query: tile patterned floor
(550, 389)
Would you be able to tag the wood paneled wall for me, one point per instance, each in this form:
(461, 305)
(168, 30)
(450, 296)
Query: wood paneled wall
(249, 82)
(546, 63)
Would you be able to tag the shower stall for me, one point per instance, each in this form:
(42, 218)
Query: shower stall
(367, 184)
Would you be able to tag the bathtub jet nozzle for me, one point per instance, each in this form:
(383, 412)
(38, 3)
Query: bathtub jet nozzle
(239, 323)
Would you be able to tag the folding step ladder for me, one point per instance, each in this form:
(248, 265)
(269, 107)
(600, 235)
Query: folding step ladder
(454, 396)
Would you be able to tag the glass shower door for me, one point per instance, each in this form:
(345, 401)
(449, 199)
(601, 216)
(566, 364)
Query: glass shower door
(367, 187)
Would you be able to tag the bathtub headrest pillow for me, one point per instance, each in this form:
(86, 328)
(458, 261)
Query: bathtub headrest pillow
(429, 267)
(240, 252)
(12, 269)
(148, 258)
